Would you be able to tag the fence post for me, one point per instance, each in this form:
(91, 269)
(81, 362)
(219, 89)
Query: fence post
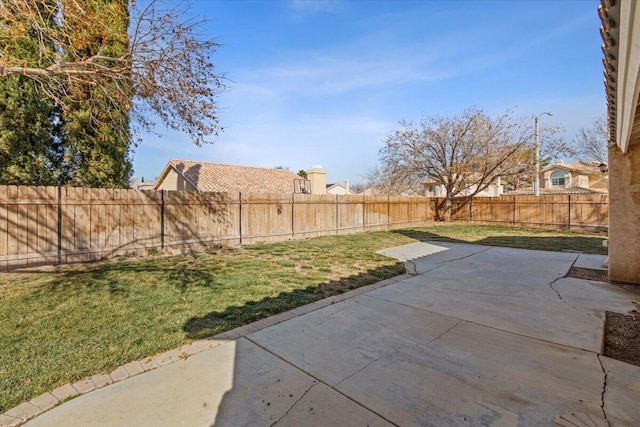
(514, 210)
(59, 225)
(240, 216)
(470, 210)
(364, 212)
(569, 209)
(337, 214)
(162, 215)
(293, 215)
(388, 212)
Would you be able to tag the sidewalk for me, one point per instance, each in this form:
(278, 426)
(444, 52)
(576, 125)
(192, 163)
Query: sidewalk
(477, 336)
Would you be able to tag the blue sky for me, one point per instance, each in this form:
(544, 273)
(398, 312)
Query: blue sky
(323, 82)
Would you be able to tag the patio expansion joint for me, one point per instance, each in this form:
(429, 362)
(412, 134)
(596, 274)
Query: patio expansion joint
(604, 388)
(385, 354)
(489, 294)
(471, 322)
(294, 404)
(317, 381)
(445, 332)
(464, 257)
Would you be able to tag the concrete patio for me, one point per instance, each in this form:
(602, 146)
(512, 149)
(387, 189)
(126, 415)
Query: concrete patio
(476, 336)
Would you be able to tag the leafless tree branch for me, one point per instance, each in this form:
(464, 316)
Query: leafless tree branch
(591, 143)
(166, 72)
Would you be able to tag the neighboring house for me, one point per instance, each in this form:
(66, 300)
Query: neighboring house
(189, 175)
(338, 189)
(433, 189)
(142, 185)
(530, 191)
(578, 175)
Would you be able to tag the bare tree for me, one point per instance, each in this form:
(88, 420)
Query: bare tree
(166, 72)
(463, 153)
(382, 180)
(358, 187)
(591, 143)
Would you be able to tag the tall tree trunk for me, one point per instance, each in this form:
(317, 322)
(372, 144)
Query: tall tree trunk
(447, 208)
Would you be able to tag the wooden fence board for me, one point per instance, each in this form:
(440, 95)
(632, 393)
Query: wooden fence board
(377, 216)
(266, 217)
(560, 211)
(351, 213)
(314, 215)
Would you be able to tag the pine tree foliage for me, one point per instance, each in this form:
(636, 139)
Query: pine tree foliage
(28, 152)
(96, 141)
(165, 72)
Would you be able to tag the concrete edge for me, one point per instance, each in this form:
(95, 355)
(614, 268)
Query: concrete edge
(27, 411)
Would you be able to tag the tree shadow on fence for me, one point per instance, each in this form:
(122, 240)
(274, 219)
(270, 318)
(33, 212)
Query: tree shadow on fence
(52, 225)
(215, 322)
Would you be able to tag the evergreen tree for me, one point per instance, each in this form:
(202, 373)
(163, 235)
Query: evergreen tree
(28, 154)
(94, 154)
(71, 124)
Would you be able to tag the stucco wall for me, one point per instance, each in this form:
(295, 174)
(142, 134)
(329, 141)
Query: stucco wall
(624, 215)
(318, 178)
(340, 190)
(175, 182)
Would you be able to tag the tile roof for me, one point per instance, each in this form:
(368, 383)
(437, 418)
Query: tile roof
(554, 190)
(609, 13)
(218, 177)
(592, 167)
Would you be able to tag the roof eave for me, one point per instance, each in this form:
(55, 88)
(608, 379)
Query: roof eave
(166, 170)
(621, 69)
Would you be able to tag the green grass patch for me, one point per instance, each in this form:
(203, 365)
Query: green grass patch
(62, 326)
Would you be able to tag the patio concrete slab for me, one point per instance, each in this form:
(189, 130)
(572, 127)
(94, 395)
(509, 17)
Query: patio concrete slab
(474, 375)
(413, 250)
(483, 336)
(515, 290)
(322, 406)
(597, 297)
(593, 262)
(234, 384)
(622, 392)
(545, 319)
(334, 343)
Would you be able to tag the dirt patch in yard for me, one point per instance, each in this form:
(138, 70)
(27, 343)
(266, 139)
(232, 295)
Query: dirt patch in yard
(622, 337)
(622, 331)
(589, 274)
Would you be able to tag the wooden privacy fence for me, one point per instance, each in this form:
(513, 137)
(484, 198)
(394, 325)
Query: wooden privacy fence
(574, 211)
(58, 225)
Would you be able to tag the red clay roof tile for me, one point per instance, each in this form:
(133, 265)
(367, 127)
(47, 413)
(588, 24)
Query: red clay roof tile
(218, 177)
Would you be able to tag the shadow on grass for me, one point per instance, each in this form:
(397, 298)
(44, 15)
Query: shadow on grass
(114, 277)
(216, 322)
(582, 244)
(426, 236)
(568, 243)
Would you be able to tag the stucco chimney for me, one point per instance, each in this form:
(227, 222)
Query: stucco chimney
(318, 178)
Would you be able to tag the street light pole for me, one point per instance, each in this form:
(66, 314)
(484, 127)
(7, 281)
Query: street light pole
(537, 134)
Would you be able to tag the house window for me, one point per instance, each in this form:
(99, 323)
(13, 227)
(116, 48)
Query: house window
(557, 178)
